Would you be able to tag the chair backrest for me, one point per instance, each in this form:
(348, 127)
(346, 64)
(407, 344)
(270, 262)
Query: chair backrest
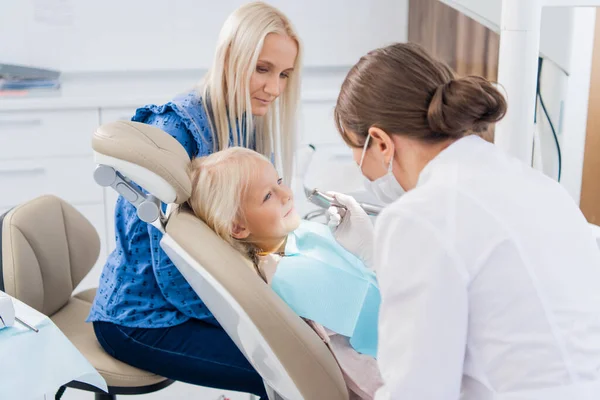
(48, 247)
(289, 356)
(286, 352)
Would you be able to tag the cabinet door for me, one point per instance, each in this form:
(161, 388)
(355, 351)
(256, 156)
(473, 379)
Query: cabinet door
(116, 114)
(40, 134)
(70, 178)
(49, 152)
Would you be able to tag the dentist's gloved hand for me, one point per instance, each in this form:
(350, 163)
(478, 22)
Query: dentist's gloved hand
(352, 228)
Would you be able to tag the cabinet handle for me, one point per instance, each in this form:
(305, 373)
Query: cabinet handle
(341, 157)
(18, 123)
(30, 170)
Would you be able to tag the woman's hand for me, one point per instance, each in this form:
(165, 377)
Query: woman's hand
(352, 227)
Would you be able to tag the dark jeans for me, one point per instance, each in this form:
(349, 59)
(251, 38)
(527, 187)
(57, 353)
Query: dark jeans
(195, 352)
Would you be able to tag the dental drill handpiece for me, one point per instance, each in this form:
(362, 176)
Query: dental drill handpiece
(323, 200)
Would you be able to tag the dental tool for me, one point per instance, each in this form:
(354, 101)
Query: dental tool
(325, 201)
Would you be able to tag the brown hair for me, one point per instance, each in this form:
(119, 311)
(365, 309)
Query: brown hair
(402, 90)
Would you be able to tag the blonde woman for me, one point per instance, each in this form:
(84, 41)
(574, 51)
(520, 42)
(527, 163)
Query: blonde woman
(145, 314)
(240, 195)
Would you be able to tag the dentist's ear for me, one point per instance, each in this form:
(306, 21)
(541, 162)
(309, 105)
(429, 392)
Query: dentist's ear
(384, 143)
(239, 231)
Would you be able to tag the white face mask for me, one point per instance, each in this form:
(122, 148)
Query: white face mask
(386, 189)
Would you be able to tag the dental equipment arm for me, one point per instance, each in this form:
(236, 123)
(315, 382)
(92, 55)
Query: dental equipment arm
(325, 201)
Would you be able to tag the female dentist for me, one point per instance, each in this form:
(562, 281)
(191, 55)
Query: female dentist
(145, 313)
(489, 273)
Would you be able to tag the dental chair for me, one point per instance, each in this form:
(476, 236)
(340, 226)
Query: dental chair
(292, 360)
(47, 248)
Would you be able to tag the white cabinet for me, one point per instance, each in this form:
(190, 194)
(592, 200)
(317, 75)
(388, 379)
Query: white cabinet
(49, 152)
(40, 134)
(110, 114)
(68, 177)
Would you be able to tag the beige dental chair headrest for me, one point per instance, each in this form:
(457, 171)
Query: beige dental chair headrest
(148, 156)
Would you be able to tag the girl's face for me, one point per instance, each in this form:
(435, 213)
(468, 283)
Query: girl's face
(268, 209)
(275, 64)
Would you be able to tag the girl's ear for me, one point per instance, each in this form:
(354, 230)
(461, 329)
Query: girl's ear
(239, 231)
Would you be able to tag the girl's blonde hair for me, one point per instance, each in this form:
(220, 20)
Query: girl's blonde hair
(219, 185)
(226, 86)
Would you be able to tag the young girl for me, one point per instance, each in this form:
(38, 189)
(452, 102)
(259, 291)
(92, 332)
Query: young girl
(239, 194)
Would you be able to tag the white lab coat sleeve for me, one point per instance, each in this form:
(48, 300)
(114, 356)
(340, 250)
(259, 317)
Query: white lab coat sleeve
(424, 311)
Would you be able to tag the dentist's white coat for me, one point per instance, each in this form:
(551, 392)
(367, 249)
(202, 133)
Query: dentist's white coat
(490, 279)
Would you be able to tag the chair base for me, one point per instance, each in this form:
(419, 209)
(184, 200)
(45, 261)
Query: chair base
(113, 391)
(104, 396)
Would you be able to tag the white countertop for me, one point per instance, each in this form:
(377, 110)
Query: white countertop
(133, 89)
(37, 362)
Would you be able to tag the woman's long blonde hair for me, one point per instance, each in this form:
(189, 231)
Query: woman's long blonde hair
(219, 184)
(226, 86)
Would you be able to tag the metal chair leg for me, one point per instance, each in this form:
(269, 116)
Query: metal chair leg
(104, 396)
(60, 392)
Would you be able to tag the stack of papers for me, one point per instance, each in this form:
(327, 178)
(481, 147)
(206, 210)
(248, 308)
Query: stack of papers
(19, 79)
(7, 311)
(29, 84)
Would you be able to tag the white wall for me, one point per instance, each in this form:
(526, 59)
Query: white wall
(566, 96)
(555, 33)
(575, 111)
(75, 35)
(554, 82)
(566, 43)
